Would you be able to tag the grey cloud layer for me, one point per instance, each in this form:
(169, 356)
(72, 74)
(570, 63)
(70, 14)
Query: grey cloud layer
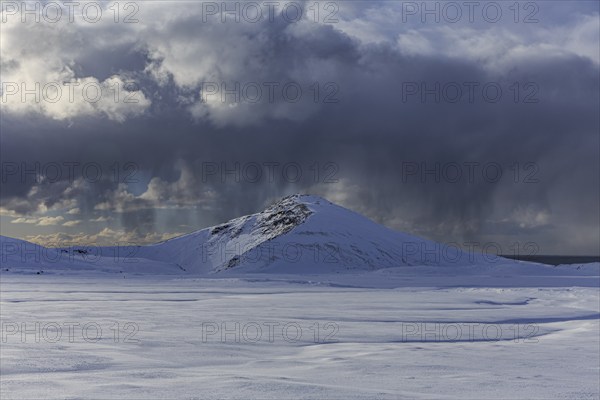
(365, 141)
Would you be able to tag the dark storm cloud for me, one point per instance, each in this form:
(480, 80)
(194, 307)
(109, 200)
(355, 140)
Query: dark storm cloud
(370, 148)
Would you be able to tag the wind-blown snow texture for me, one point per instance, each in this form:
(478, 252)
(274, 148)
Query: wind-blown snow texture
(514, 343)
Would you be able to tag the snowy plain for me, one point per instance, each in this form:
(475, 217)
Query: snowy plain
(178, 338)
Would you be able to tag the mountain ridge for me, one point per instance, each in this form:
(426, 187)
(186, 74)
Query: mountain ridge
(299, 234)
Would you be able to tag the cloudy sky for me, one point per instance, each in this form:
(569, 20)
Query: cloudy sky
(460, 122)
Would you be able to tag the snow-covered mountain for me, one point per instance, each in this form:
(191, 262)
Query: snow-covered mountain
(302, 233)
(299, 234)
